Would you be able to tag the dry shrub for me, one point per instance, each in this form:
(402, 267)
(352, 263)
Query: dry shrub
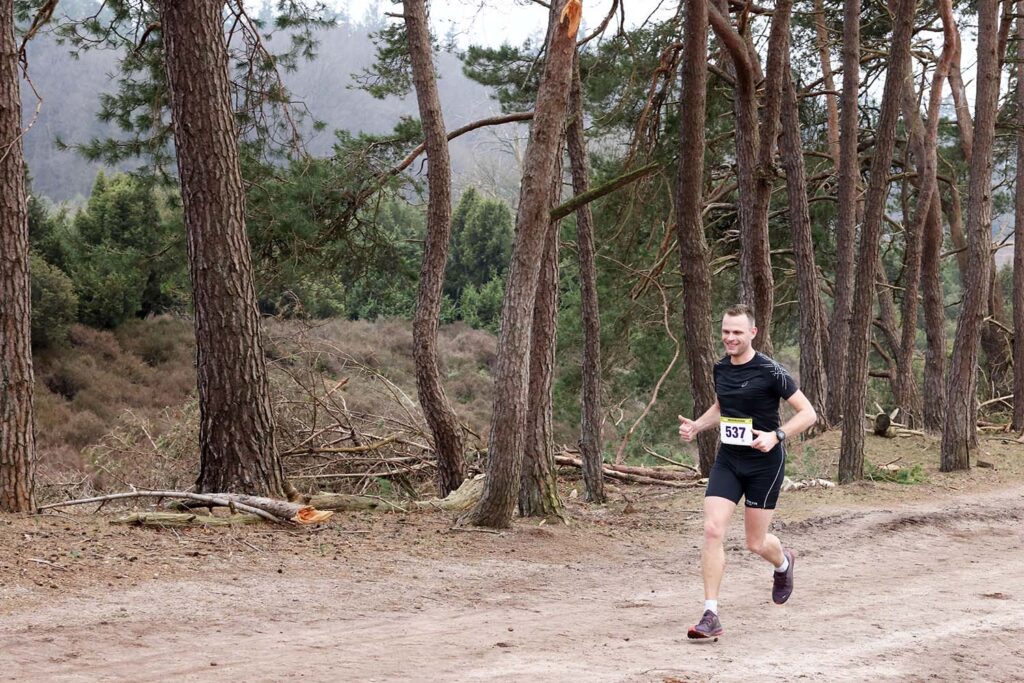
(377, 401)
(160, 452)
(132, 418)
(160, 340)
(87, 390)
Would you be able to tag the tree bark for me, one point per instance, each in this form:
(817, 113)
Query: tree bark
(813, 379)
(1018, 238)
(590, 412)
(508, 421)
(993, 343)
(444, 425)
(959, 433)
(538, 492)
(694, 254)
(236, 430)
(924, 143)
(17, 429)
(755, 142)
(934, 321)
(831, 100)
(846, 221)
(851, 456)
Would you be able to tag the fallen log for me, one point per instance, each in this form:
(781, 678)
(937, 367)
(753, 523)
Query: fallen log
(638, 479)
(184, 519)
(270, 509)
(649, 472)
(883, 426)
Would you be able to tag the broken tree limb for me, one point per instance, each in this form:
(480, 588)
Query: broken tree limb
(649, 472)
(183, 519)
(670, 461)
(344, 449)
(632, 474)
(267, 508)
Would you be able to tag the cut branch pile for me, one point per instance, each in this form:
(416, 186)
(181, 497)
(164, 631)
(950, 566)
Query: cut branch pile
(327, 443)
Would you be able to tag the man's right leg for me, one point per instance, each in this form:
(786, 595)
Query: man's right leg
(717, 512)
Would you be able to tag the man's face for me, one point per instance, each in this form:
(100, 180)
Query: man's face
(737, 334)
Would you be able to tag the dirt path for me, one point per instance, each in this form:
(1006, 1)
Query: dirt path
(914, 593)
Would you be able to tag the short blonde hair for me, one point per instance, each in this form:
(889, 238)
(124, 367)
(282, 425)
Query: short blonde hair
(742, 309)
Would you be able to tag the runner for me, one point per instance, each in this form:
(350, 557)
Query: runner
(750, 460)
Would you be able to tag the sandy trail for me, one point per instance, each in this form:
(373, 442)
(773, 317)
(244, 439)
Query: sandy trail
(912, 593)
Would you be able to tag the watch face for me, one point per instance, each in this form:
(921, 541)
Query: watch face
(780, 434)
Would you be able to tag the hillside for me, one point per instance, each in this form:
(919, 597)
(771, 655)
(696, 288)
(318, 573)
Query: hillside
(71, 88)
(118, 408)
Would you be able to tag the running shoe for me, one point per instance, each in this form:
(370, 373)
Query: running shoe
(708, 627)
(782, 587)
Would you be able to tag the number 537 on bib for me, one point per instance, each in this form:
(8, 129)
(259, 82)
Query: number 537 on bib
(736, 431)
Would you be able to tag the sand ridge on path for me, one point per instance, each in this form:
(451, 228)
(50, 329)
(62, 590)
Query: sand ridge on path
(920, 592)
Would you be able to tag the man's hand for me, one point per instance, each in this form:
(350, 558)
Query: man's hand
(764, 441)
(687, 429)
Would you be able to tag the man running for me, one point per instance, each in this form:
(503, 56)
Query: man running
(750, 460)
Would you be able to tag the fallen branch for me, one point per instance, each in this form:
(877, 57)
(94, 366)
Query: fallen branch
(790, 485)
(650, 472)
(670, 461)
(344, 449)
(183, 519)
(269, 509)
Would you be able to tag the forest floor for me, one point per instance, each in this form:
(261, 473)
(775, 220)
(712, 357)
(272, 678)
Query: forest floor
(916, 582)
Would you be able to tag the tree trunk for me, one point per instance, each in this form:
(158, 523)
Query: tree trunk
(538, 491)
(590, 413)
(17, 432)
(996, 344)
(813, 379)
(831, 100)
(924, 143)
(904, 388)
(1018, 239)
(444, 425)
(236, 430)
(846, 221)
(908, 397)
(694, 253)
(511, 382)
(959, 433)
(993, 343)
(934, 321)
(851, 456)
(755, 142)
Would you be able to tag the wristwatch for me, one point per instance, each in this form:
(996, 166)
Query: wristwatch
(780, 435)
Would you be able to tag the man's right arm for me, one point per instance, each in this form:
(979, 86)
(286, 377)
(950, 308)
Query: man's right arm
(689, 429)
(710, 418)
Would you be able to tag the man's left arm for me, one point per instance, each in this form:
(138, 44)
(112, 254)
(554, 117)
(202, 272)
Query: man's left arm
(804, 417)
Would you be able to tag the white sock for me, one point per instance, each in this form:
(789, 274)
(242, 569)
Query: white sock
(711, 605)
(784, 566)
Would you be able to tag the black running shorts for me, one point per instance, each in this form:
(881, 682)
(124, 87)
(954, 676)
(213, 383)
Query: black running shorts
(757, 478)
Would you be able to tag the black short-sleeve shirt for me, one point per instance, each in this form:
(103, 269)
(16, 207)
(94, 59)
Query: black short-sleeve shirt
(752, 390)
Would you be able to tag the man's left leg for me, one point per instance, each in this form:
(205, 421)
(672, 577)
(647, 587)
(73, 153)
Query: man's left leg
(756, 522)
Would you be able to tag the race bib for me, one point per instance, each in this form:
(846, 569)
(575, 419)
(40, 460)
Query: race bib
(736, 431)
